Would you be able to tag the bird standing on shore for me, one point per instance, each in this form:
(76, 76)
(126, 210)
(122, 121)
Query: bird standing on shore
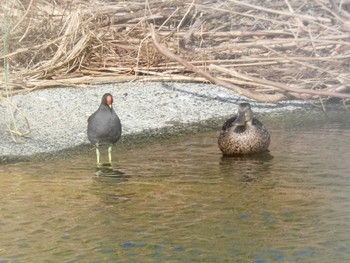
(243, 134)
(104, 127)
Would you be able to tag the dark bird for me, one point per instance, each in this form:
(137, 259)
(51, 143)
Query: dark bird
(243, 134)
(104, 127)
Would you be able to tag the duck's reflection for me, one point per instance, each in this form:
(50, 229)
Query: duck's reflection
(246, 167)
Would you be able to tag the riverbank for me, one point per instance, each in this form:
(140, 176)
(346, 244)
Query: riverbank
(58, 117)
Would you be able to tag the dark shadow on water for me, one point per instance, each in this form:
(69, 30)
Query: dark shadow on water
(107, 170)
(106, 184)
(246, 168)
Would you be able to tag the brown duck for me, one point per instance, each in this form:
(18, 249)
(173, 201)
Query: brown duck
(243, 134)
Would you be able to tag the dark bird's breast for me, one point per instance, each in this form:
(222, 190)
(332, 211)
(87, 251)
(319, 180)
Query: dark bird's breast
(104, 127)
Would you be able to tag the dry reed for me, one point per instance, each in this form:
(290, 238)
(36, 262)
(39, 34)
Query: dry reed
(265, 50)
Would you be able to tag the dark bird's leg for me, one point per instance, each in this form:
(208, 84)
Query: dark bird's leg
(98, 157)
(110, 154)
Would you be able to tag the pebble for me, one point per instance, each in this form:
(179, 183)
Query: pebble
(58, 116)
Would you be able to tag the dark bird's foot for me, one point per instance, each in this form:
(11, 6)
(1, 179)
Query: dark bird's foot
(99, 164)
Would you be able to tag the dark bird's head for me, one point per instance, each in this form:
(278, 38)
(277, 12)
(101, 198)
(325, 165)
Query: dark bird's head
(107, 99)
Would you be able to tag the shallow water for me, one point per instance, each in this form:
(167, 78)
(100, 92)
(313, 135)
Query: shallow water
(178, 200)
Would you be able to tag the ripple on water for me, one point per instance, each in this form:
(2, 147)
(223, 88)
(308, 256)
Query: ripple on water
(179, 200)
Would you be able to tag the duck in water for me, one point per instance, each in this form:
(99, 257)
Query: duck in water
(243, 134)
(104, 127)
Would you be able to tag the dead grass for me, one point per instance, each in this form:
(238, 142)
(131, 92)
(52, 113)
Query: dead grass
(266, 50)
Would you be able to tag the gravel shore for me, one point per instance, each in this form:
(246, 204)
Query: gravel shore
(58, 116)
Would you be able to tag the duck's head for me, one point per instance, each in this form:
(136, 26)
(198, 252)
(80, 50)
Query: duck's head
(245, 115)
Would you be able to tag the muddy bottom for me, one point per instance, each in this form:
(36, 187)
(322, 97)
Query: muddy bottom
(179, 200)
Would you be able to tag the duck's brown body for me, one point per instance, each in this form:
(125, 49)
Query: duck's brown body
(243, 134)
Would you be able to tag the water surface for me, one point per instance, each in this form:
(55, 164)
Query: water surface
(178, 200)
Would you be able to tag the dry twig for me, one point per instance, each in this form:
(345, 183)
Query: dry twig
(304, 45)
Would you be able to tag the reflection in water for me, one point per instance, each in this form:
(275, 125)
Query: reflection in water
(105, 188)
(248, 167)
(108, 170)
(179, 200)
